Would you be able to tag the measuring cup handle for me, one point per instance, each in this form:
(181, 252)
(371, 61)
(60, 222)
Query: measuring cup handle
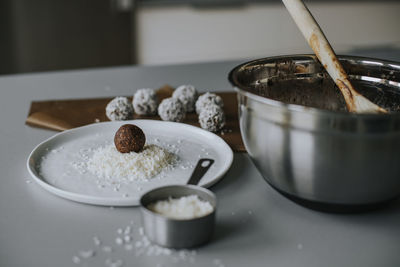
(201, 168)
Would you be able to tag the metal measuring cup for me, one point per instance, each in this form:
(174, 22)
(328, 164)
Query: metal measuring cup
(180, 233)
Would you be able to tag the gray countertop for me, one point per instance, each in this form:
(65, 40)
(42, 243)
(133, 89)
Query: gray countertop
(256, 226)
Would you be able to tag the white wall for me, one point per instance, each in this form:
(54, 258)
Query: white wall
(184, 34)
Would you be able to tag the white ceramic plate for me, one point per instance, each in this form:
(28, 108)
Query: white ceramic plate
(59, 163)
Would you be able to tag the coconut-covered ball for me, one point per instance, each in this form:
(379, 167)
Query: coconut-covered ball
(212, 118)
(208, 99)
(171, 109)
(145, 102)
(118, 109)
(187, 94)
(129, 138)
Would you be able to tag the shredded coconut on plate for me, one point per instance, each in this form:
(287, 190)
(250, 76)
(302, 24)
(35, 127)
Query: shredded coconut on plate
(107, 162)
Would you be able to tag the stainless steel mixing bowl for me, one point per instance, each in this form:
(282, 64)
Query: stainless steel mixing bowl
(297, 132)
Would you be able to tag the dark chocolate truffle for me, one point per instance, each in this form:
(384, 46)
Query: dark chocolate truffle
(129, 138)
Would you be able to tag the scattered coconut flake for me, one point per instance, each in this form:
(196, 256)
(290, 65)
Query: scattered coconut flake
(76, 260)
(86, 253)
(127, 230)
(141, 231)
(107, 249)
(114, 263)
(127, 238)
(128, 246)
(119, 241)
(141, 248)
(96, 241)
(218, 263)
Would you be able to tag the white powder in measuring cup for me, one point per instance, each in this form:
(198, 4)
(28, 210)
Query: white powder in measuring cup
(188, 207)
(107, 162)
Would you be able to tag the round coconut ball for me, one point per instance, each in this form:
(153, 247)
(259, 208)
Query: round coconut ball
(208, 99)
(145, 102)
(118, 109)
(187, 94)
(212, 118)
(171, 109)
(129, 138)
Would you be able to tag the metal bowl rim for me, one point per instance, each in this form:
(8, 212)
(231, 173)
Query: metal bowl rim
(305, 109)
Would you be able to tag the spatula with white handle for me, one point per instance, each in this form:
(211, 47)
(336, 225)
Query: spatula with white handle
(316, 39)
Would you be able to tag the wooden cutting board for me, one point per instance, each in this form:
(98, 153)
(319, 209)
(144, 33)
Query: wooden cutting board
(60, 115)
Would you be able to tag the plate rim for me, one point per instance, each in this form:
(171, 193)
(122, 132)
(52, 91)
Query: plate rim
(116, 201)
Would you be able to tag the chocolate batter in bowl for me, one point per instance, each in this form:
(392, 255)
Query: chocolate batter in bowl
(297, 131)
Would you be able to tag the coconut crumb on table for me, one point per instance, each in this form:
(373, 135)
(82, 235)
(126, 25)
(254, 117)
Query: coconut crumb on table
(138, 245)
(96, 241)
(218, 263)
(86, 253)
(119, 241)
(107, 249)
(114, 263)
(76, 260)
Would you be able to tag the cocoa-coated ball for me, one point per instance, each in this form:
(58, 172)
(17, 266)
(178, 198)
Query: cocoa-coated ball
(129, 138)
